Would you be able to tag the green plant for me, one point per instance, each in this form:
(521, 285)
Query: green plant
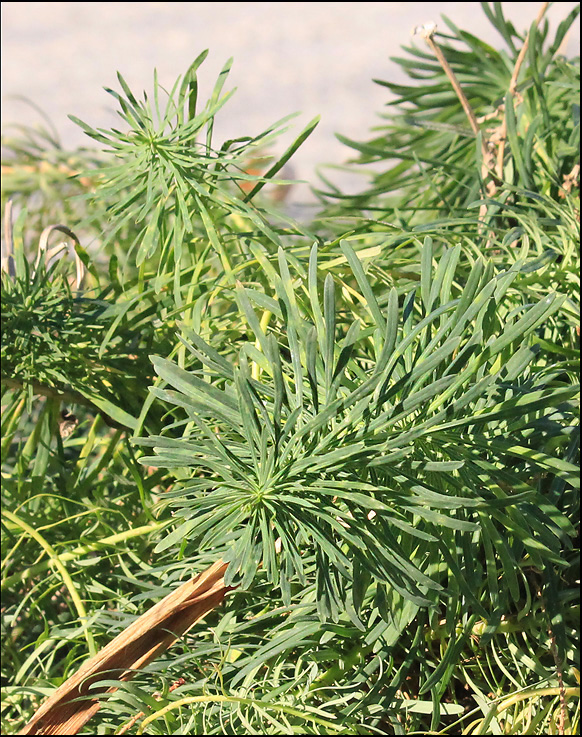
(372, 418)
(524, 114)
(367, 457)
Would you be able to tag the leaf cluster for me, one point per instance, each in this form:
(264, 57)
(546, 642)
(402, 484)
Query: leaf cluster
(372, 417)
(370, 448)
(432, 158)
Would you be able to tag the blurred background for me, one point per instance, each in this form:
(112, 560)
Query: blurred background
(313, 58)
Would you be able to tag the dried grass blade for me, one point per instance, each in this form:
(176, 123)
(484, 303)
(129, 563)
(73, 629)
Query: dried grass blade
(71, 706)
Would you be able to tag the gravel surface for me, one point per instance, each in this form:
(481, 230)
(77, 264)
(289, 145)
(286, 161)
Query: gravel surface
(316, 58)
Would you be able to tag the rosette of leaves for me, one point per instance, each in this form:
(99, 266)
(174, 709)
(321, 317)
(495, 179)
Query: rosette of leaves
(406, 455)
(170, 187)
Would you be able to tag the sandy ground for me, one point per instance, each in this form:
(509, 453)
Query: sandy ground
(315, 58)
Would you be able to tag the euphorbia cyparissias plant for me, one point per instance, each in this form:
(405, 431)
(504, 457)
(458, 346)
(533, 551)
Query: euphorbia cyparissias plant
(368, 453)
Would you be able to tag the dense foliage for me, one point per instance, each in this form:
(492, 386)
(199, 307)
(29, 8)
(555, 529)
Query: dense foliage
(373, 417)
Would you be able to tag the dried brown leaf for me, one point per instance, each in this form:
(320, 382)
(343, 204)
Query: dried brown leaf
(71, 706)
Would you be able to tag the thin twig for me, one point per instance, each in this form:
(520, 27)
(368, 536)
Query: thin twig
(141, 714)
(427, 32)
(523, 52)
(512, 89)
(554, 651)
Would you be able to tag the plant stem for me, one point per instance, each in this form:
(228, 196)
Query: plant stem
(486, 167)
(502, 133)
(67, 580)
(335, 727)
(81, 550)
